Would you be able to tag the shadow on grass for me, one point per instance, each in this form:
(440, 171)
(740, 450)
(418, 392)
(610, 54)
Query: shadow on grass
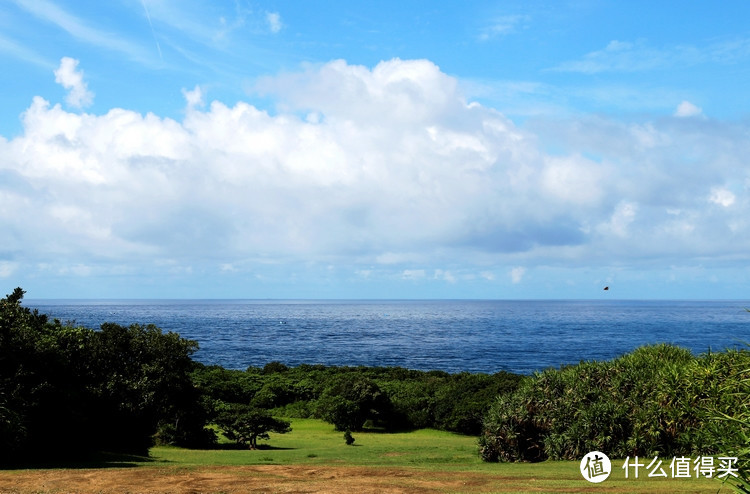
(241, 447)
(268, 447)
(94, 460)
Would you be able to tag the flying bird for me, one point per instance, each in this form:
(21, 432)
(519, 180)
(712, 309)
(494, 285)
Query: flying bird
(606, 288)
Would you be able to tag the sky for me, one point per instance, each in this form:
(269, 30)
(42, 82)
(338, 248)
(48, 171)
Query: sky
(392, 149)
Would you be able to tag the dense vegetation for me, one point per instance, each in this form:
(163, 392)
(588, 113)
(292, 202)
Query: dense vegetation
(658, 400)
(351, 398)
(66, 391)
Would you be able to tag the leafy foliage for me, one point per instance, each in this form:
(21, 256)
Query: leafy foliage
(351, 400)
(67, 390)
(247, 424)
(738, 387)
(399, 399)
(657, 400)
(348, 438)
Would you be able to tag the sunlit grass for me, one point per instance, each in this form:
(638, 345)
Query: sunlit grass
(313, 442)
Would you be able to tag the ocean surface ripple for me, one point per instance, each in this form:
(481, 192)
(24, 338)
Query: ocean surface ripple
(450, 335)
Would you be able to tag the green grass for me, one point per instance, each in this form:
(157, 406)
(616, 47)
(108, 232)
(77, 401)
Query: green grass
(313, 442)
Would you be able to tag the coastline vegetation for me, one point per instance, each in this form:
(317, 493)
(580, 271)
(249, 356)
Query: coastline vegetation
(68, 391)
(656, 400)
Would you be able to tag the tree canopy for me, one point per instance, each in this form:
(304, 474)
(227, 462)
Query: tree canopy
(66, 390)
(246, 424)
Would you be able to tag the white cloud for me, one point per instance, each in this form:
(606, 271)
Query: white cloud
(722, 197)
(618, 56)
(441, 274)
(502, 25)
(71, 79)
(517, 274)
(623, 215)
(194, 97)
(625, 56)
(413, 274)
(274, 21)
(52, 13)
(78, 270)
(7, 269)
(687, 109)
(398, 170)
(23, 53)
(573, 179)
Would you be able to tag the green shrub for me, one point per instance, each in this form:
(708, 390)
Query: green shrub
(737, 391)
(653, 401)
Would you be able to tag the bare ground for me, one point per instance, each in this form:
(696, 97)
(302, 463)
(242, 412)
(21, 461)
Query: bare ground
(240, 479)
(281, 479)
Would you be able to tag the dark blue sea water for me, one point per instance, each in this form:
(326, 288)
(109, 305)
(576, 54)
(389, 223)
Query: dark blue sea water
(474, 336)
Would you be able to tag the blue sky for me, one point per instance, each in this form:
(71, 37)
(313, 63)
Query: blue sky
(251, 149)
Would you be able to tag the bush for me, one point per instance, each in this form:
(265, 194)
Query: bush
(348, 438)
(656, 400)
(738, 388)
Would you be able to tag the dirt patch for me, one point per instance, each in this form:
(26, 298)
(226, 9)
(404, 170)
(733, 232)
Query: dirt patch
(241, 479)
(299, 479)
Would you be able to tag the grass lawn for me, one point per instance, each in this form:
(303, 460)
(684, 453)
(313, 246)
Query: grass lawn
(315, 443)
(314, 458)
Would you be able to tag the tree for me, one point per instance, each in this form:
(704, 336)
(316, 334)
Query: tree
(348, 438)
(67, 391)
(351, 400)
(145, 384)
(246, 424)
(40, 403)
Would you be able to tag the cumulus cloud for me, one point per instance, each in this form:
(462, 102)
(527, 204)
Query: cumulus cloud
(71, 79)
(687, 109)
(397, 170)
(193, 97)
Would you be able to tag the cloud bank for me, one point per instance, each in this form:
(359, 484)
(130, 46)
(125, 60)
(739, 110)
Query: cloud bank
(383, 168)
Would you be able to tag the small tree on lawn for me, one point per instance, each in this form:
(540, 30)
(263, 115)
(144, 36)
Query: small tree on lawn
(246, 425)
(348, 437)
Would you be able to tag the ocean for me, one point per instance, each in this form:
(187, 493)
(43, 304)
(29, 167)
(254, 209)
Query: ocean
(450, 335)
